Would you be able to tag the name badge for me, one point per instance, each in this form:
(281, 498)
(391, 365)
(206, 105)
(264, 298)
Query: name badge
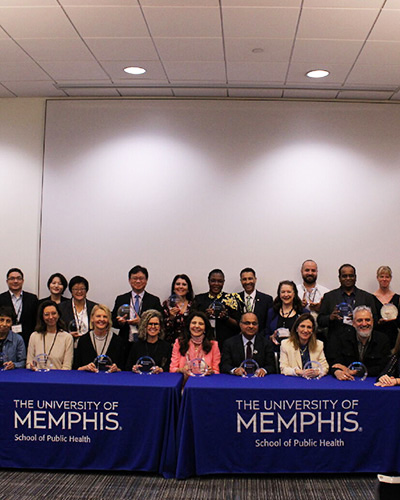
(17, 328)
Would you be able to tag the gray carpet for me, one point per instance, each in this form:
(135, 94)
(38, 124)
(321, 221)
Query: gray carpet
(24, 485)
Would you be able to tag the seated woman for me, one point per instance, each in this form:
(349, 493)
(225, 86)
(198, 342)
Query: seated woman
(383, 296)
(50, 338)
(302, 346)
(196, 343)
(56, 285)
(285, 310)
(176, 314)
(100, 340)
(78, 308)
(390, 376)
(150, 343)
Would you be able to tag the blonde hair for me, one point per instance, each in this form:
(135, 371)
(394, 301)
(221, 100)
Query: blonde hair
(103, 308)
(383, 270)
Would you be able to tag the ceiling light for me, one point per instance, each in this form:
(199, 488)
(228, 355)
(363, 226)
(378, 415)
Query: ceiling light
(134, 70)
(258, 50)
(317, 73)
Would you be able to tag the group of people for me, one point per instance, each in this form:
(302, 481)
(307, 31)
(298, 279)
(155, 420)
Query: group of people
(304, 323)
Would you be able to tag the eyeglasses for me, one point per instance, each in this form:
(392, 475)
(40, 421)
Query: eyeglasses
(153, 325)
(13, 278)
(137, 279)
(80, 289)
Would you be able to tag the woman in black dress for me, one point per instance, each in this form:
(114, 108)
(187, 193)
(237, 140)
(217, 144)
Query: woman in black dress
(150, 343)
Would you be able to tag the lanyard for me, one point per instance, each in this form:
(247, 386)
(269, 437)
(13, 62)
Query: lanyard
(52, 345)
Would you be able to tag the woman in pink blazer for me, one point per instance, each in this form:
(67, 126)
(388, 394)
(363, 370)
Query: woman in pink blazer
(196, 343)
(302, 346)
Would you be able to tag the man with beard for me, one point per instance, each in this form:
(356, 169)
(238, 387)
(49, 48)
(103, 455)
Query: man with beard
(310, 292)
(363, 344)
(333, 315)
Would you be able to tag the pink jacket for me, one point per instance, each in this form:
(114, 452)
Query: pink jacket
(178, 361)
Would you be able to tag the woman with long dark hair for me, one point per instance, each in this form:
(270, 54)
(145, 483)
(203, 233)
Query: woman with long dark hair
(196, 342)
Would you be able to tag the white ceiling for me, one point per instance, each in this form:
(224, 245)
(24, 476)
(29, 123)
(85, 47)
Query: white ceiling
(200, 48)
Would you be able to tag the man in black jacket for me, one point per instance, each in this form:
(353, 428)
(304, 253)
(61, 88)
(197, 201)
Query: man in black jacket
(137, 300)
(24, 304)
(248, 345)
(362, 344)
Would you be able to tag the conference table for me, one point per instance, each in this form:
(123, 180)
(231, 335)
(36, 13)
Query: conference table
(279, 424)
(94, 421)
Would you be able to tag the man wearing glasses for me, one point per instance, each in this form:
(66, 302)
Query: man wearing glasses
(24, 304)
(138, 301)
(248, 345)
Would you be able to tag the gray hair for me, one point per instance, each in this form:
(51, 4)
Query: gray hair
(362, 308)
(144, 321)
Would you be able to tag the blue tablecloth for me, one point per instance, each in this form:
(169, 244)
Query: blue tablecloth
(280, 424)
(93, 421)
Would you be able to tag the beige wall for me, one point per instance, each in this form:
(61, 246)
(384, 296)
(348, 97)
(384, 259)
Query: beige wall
(21, 160)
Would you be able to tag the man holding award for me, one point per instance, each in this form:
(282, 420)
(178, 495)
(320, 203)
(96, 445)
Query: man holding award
(311, 292)
(336, 311)
(362, 345)
(129, 306)
(248, 349)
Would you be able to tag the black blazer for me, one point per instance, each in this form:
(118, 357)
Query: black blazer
(262, 303)
(233, 354)
(67, 312)
(28, 313)
(85, 352)
(149, 302)
(376, 356)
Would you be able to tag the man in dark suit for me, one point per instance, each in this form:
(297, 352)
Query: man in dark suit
(363, 344)
(24, 304)
(330, 316)
(138, 301)
(248, 345)
(253, 300)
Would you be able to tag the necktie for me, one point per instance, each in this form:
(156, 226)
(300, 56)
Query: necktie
(249, 351)
(137, 304)
(249, 307)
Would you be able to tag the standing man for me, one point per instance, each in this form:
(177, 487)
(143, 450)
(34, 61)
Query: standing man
(331, 315)
(310, 292)
(253, 300)
(138, 301)
(24, 304)
(222, 309)
(248, 345)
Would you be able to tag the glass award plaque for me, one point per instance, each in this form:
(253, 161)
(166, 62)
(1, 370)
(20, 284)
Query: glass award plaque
(358, 370)
(103, 363)
(174, 300)
(42, 363)
(3, 359)
(217, 306)
(145, 365)
(73, 326)
(313, 370)
(282, 333)
(197, 367)
(124, 310)
(250, 367)
(389, 312)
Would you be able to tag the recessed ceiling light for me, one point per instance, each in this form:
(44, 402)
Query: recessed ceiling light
(317, 73)
(134, 70)
(258, 50)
